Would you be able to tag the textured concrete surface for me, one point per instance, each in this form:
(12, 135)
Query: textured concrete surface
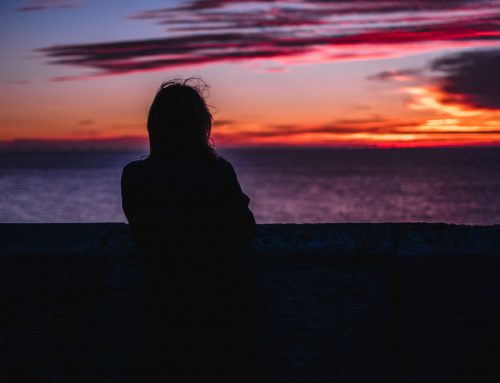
(332, 302)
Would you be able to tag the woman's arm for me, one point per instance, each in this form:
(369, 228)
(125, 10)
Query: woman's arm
(240, 217)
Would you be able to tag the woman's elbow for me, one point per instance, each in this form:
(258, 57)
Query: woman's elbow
(249, 227)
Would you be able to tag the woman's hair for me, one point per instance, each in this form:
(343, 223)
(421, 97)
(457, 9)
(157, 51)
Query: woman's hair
(179, 121)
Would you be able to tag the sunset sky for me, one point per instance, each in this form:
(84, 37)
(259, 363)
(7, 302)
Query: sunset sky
(299, 72)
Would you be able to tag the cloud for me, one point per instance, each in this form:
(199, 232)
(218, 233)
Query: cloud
(123, 143)
(370, 131)
(31, 8)
(460, 91)
(390, 133)
(470, 78)
(43, 5)
(219, 122)
(341, 6)
(338, 127)
(461, 85)
(214, 31)
(400, 75)
(85, 121)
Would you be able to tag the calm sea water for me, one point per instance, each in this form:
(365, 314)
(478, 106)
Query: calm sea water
(285, 185)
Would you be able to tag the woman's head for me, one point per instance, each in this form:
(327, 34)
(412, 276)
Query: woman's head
(179, 120)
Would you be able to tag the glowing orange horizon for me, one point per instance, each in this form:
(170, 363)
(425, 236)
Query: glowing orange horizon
(427, 118)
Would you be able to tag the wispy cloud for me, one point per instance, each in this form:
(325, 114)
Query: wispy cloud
(401, 75)
(207, 32)
(85, 121)
(125, 143)
(43, 5)
(383, 133)
(360, 131)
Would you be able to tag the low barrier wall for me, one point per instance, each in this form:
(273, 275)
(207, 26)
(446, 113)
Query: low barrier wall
(332, 302)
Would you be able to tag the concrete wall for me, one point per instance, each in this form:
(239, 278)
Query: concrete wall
(333, 302)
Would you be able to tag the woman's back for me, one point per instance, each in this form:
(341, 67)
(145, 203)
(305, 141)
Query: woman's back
(185, 198)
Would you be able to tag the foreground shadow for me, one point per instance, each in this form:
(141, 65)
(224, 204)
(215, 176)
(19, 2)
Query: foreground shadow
(198, 314)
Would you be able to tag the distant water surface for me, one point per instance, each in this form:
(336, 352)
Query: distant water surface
(459, 185)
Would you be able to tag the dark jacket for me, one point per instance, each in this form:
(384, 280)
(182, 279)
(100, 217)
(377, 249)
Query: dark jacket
(191, 217)
(185, 198)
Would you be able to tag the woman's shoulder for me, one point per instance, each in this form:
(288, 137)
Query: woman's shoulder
(225, 164)
(133, 167)
(177, 165)
(135, 171)
(205, 164)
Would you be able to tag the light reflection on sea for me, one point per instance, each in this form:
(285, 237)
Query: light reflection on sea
(459, 185)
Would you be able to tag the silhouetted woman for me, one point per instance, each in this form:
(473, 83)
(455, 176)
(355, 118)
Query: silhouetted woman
(187, 211)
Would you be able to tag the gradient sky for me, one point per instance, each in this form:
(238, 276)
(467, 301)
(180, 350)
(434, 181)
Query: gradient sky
(300, 72)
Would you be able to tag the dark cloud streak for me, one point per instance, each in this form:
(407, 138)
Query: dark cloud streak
(370, 126)
(470, 78)
(397, 75)
(277, 29)
(44, 5)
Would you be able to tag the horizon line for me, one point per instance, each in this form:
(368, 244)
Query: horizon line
(112, 145)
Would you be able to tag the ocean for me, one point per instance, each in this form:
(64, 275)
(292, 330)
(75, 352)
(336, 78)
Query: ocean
(292, 185)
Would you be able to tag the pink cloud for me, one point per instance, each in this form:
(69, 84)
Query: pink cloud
(213, 31)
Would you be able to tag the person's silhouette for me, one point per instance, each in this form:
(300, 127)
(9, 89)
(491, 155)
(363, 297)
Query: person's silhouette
(187, 211)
